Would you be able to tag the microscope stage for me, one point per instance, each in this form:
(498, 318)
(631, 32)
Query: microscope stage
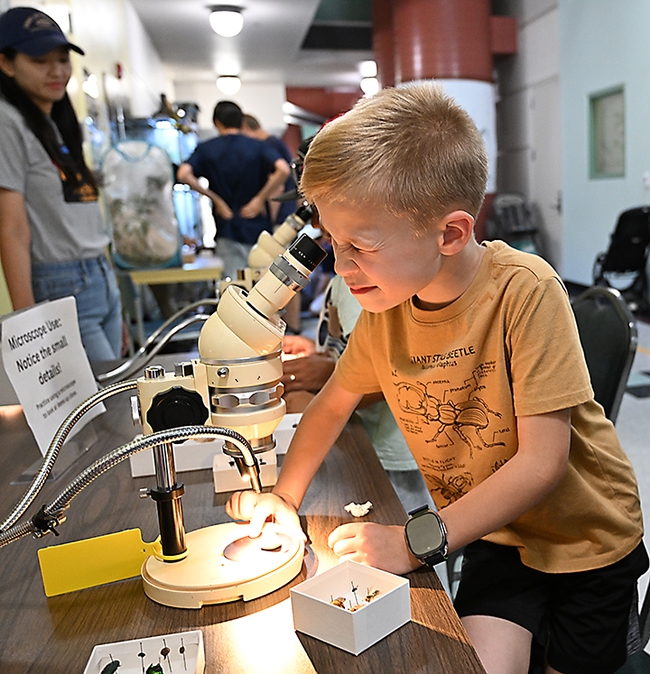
(223, 565)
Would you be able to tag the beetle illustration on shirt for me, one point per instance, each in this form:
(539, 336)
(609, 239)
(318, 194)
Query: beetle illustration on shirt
(449, 414)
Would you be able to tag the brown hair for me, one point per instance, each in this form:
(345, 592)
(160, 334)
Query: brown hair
(412, 151)
(251, 122)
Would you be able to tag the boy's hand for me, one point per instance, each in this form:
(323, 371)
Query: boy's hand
(377, 545)
(257, 508)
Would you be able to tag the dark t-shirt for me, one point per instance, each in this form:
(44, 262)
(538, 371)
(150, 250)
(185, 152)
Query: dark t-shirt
(286, 207)
(237, 168)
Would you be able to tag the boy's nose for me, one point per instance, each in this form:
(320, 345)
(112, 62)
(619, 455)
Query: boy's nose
(343, 265)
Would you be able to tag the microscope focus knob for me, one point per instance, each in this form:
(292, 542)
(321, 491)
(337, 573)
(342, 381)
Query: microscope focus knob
(154, 372)
(176, 407)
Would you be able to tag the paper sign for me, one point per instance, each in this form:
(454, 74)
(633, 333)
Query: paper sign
(47, 365)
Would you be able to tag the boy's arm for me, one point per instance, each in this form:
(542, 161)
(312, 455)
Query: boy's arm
(320, 426)
(525, 480)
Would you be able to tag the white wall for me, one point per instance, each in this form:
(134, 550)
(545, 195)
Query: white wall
(603, 44)
(110, 32)
(264, 101)
(147, 74)
(528, 118)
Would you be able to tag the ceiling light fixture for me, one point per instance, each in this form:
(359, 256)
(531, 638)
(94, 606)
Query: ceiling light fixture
(226, 20)
(228, 84)
(368, 68)
(369, 85)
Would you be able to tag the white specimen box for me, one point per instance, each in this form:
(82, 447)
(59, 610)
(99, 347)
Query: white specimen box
(227, 477)
(199, 455)
(352, 631)
(186, 654)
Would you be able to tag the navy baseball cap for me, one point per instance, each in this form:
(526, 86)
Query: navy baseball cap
(32, 32)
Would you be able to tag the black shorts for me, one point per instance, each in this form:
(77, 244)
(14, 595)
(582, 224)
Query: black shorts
(580, 619)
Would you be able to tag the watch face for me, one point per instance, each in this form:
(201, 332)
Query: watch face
(424, 535)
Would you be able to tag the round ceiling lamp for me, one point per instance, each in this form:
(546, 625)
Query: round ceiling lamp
(228, 84)
(369, 86)
(226, 20)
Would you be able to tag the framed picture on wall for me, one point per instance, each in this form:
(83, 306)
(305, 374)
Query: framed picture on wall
(607, 134)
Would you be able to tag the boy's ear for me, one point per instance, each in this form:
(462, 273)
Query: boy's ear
(457, 229)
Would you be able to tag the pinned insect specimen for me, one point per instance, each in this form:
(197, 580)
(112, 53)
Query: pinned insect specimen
(165, 653)
(155, 669)
(112, 666)
(339, 601)
(371, 594)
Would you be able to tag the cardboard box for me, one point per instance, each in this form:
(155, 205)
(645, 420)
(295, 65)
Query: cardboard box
(351, 630)
(184, 651)
(227, 477)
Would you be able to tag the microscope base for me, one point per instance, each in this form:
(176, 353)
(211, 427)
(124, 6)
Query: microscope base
(206, 576)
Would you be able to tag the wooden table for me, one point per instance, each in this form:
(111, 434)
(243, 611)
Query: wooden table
(56, 635)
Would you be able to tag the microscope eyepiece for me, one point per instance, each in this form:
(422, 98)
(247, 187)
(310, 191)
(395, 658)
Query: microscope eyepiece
(304, 213)
(307, 252)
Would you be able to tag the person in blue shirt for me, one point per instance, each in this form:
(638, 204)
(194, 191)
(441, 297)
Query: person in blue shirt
(280, 210)
(242, 173)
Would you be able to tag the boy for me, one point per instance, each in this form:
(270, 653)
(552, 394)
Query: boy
(476, 351)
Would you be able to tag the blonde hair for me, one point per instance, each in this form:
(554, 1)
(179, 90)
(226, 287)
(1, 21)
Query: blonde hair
(412, 151)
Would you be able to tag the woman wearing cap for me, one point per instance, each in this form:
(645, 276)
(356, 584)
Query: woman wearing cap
(52, 234)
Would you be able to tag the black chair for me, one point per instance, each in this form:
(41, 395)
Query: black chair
(608, 335)
(623, 265)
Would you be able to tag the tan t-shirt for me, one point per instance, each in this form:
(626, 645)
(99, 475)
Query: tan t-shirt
(456, 380)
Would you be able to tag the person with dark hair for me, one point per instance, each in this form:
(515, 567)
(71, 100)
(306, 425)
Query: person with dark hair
(52, 234)
(280, 210)
(242, 173)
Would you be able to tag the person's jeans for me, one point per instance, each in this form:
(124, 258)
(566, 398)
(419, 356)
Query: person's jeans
(99, 309)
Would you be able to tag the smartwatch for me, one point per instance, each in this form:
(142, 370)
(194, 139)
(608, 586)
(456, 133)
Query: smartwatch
(426, 536)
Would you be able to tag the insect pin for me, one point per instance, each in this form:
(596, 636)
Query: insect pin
(181, 650)
(112, 666)
(142, 655)
(354, 591)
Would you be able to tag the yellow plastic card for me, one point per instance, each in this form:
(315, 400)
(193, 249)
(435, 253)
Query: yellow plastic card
(93, 561)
